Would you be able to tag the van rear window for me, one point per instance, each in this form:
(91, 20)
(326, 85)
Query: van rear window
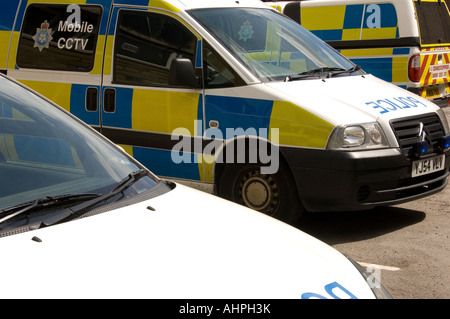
(434, 22)
(59, 37)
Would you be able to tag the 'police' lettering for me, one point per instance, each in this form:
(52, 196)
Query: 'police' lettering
(395, 104)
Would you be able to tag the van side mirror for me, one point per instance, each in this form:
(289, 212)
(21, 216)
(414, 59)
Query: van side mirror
(182, 73)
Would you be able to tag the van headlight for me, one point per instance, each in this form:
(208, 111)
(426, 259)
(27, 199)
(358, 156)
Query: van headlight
(443, 119)
(357, 137)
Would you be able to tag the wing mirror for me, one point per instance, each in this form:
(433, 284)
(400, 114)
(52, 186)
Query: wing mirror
(182, 73)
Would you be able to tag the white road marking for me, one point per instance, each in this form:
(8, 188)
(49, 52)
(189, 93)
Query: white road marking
(382, 267)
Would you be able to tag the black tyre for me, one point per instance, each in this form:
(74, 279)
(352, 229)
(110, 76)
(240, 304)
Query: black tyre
(272, 194)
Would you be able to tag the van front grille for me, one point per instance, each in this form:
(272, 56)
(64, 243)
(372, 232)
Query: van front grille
(411, 131)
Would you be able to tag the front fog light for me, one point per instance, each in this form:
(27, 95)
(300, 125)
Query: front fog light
(421, 148)
(445, 143)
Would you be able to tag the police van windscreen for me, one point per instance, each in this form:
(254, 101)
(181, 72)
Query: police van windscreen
(270, 45)
(434, 22)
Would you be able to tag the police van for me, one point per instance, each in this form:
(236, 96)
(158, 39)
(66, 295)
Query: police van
(406, 42)
(231, 97)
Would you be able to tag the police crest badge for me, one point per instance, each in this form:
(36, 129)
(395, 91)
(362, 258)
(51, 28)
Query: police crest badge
(43, 36)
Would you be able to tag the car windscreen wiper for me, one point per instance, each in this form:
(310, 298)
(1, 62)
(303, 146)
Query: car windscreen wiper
(313, 73)
(46, 202)
(82, 208)
(351, 70)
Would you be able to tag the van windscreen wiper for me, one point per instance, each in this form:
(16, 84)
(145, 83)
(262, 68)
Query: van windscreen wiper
(351, 70)
(328, 72)
(314, 73)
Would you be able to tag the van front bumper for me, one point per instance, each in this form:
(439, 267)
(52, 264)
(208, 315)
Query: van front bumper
(337, 181)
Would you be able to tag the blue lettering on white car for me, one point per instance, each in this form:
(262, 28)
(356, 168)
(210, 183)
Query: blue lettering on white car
(395, 104)
(332, 291)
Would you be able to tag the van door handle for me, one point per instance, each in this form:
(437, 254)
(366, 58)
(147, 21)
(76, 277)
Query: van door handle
(109, 100)
(213, 124)
(91, 99)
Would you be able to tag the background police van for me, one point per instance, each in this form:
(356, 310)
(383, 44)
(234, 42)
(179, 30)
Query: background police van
(231, 97)
(406, 42)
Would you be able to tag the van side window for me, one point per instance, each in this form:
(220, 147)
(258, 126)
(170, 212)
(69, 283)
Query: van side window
(53, 39)
(218, 73)
(146, 43)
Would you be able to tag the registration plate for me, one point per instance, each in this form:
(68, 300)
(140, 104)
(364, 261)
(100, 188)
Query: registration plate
(432, 92)
(428, 165)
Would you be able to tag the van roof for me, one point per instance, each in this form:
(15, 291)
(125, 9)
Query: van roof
(196, 4)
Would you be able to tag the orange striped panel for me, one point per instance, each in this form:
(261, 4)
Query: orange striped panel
(432, 70)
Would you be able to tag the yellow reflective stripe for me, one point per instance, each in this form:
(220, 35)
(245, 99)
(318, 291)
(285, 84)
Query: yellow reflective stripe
(400, 69)
(351, 34)
(128, 149)
(164, 111)
(368, 52)
(56, 92)
(317, 18)
(162, 4)
(97, 69)
(108, 55)
(378, 33)
(277, 7)
(4, 39)
(298, 127)
(13, 50)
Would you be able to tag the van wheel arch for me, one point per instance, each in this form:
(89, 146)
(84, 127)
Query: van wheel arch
(272, 194)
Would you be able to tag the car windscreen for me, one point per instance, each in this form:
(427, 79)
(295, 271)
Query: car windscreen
(269, 44)
(434, 22)
(45, 152)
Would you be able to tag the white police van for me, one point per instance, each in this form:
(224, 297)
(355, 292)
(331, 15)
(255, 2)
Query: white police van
(231, 97)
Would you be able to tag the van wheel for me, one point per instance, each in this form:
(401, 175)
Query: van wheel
(272, 194)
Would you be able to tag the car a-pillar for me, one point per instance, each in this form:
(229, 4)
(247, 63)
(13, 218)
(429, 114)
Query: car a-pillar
(240, 177)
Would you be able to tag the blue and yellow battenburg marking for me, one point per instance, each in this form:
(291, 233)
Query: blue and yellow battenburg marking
(7, 16)
(351, 22)
(156, 113)
(362, 22)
